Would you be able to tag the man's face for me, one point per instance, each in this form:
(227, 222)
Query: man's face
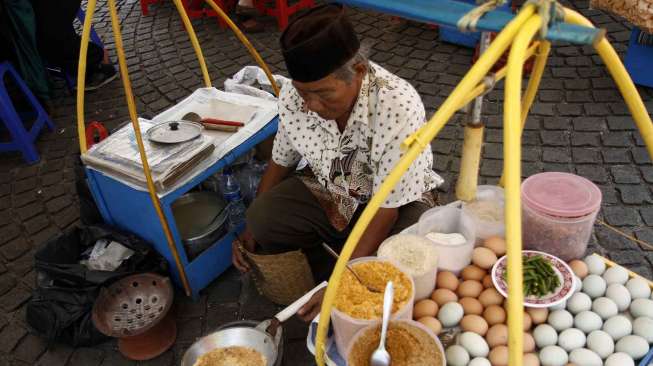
(330, 97)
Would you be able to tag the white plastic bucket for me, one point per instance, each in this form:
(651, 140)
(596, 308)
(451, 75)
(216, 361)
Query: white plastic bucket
(447, 220)
(425, 279)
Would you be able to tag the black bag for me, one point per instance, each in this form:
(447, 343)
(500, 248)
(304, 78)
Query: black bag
(60, 308)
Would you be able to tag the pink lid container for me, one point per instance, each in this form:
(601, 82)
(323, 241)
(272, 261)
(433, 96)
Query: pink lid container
(561, 194)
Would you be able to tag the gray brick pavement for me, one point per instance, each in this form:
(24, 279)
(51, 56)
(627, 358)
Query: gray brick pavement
(578, 124)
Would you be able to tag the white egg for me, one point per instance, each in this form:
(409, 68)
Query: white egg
(559, 306)
(616, 274)
(457, 356)
(643, 327)
(641, 307)
(619, 359)
(578, 284)
(605, 308)
(633, 345)
(545, 335)
(579, 302)
(588, 321)
(479, 361)
(561, 320)
(601, 343)
(570, 339)
(638, 288)
(594, 286)
(553, 356)
(450, 314)
(618, 327)
(475, 345)
(595, 265)
(585, 357)
(620, 295)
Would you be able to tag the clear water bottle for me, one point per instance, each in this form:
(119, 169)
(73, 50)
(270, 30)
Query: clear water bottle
(235, 205)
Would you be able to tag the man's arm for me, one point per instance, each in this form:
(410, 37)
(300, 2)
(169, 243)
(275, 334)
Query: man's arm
(377, 231)
(273, 175)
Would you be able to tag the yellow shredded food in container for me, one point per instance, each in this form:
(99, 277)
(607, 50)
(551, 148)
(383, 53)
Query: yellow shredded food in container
(355, 300)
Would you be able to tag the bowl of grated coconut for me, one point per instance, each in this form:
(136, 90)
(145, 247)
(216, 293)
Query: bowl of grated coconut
(418, 257)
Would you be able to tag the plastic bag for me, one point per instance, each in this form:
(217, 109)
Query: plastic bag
(244, 81)
(61, 305)
(486, 212)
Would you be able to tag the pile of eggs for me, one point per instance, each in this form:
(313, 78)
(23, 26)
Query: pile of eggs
(607, 321)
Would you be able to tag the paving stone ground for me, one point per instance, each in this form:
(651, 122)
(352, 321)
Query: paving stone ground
(578, 124)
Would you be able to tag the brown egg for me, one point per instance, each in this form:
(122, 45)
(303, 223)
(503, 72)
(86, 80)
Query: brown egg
(487, 281)
(528, 322)
(490, 296)
(530, 359)
(494, 314)
(496, 244)
(497, 335)
(431, 323)
(426, 307)
(474, 323)
(529, 343)
(579, 267)
(442, 296)
(470, 288)
(472, 272)
(538, 315)
(499, 356)
(483, 257)
(447, 280)
(471, 306)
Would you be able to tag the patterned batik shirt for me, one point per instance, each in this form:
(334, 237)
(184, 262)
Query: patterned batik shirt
(348, 167)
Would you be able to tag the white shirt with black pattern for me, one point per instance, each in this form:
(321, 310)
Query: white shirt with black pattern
(387, 111)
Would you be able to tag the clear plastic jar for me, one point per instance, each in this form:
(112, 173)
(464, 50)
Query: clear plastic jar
(558, 213)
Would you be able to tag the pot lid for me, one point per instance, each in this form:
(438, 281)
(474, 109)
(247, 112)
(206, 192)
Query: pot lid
(561, 194)
(174, 132)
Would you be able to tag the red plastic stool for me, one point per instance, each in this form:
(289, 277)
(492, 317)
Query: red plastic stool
(199, 9)
(282, 11)
(145, 6)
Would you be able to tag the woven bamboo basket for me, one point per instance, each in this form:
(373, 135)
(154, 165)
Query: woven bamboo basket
(282, 278)
(638, 12)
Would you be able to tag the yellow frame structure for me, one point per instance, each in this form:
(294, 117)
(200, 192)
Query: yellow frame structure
(517, 35)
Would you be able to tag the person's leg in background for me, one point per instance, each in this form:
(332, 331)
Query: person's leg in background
(59, 42)
(246, 12)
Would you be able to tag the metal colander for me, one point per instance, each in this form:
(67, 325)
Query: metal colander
(132, 305)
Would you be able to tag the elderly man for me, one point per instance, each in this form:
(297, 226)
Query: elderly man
(345, 117)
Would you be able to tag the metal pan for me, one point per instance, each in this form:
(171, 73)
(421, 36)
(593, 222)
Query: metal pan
(258, 338)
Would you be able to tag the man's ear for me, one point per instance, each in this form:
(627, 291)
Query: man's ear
(360, 68)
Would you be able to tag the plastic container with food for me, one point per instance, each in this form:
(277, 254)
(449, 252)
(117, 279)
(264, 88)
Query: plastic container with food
(487, 212)
(418, 256)
(408, 342)
(559, 210)
(356, 307)
(453, 254)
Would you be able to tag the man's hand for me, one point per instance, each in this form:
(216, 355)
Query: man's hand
(312, 307)
(247, 241)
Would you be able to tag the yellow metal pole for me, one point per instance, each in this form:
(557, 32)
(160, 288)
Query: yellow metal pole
(470, 161)
(81, 75)
(512, 166)
(414, 144)
(533, 85)
(131, 107)
(622, 79)
(193, 40)
(498, 76)
(243, 39)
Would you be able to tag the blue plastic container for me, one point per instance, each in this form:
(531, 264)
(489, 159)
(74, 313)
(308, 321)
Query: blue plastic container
(639, 59)
(466, 39)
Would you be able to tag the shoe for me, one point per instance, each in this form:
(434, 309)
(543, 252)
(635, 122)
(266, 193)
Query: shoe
(103, 76)
(252, 26)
